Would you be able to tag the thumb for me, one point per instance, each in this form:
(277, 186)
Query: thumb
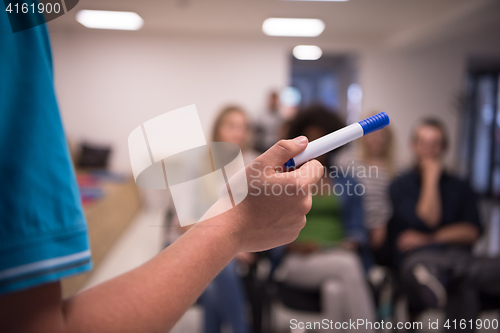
(283, 150)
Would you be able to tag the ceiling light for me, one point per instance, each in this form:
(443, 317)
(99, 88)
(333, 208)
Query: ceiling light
(307, 52)
(293, 27)
(103, 19)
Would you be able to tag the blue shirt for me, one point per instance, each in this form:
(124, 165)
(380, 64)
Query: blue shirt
(43, 233)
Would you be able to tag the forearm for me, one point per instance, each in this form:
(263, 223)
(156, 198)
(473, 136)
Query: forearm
(154, 296)
(428, 207)
(461, 233)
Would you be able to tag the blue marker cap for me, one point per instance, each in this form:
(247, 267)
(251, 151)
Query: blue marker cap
(374, 123)
(289, 164)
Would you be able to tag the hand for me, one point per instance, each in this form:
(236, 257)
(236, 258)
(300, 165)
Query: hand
(274, 211)
(412, 239)
(428, 208)
(246, 257)
(431, 168)
(377, 237)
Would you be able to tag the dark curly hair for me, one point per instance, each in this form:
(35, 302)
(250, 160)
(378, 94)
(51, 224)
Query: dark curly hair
(315, 116)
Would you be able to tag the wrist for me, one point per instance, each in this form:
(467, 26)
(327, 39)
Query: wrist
(431, 176)
(432, 239)
(222, 230)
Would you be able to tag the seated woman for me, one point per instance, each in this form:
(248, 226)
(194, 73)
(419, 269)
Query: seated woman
(375, 154)
(224, 298)
(324, 256)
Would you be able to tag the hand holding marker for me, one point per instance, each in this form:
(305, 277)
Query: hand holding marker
(339, 138)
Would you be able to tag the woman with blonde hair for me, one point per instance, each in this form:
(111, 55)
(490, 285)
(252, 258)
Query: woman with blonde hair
(224, 299)
(232, 125)
(372, 163)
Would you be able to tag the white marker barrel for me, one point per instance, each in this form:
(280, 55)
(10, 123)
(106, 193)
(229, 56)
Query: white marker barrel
(339, 138)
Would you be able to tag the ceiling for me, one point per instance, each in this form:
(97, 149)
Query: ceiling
(391, 22)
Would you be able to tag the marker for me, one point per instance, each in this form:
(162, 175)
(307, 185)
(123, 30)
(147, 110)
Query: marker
(339, 138)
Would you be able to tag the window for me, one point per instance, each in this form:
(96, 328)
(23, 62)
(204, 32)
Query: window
(326, 81)
(481, 154)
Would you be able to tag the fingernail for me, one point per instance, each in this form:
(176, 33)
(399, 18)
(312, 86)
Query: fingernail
(301, 140)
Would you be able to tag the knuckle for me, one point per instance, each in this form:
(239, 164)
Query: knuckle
(306, 205)
(305, 180)
(283, 144)
(301, 223)
(317, 170)
(304, 222)
(309, 202)
(319, 167)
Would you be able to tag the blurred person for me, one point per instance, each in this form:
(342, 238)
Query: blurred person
(43, 234)
(325, 255)
(224, 300)
(232, 125)
(435, 222)
(374, 167)
(267, 129)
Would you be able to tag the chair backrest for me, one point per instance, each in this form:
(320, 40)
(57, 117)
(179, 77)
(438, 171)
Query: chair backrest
(299, 299)
(489, 244)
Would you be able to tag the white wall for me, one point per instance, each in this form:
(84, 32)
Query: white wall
(108, 83)
(411, 84)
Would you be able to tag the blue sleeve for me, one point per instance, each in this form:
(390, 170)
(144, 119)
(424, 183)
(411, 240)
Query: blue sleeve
(43, 233)
(352, 212)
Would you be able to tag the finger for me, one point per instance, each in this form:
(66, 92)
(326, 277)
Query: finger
(309, 173)
(283, 150)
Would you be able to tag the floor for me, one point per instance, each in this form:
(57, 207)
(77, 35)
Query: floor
(143, 240)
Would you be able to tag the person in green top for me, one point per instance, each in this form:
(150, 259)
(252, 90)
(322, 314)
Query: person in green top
(324, 226)
(325, 254)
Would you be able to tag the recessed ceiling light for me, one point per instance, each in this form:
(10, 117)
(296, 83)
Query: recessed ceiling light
(307, 52)
(293, 27)
(104, 19)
